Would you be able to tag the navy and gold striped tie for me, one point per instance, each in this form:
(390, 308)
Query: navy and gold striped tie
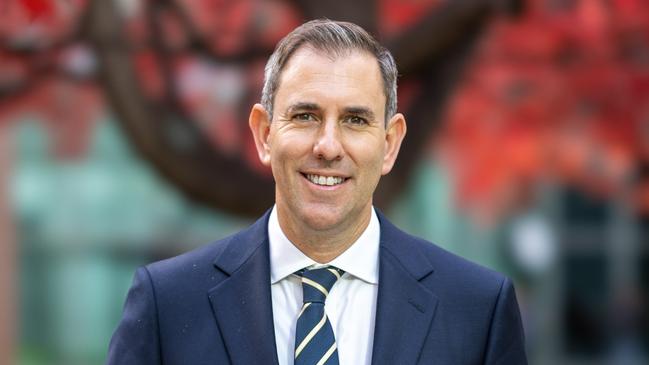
(315, 343)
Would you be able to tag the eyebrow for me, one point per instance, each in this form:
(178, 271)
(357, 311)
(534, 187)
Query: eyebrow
(303, 106)
(360, 111)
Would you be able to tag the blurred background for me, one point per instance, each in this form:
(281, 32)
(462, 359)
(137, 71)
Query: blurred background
(124, 140)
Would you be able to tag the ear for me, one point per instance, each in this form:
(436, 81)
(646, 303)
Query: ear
(394, 134)
(260, 127)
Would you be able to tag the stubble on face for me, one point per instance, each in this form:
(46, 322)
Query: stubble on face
(327, 149)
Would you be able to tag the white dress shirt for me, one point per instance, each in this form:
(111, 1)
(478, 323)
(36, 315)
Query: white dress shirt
(350, 305)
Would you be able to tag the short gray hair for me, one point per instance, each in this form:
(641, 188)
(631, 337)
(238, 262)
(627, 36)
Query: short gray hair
(332, 38)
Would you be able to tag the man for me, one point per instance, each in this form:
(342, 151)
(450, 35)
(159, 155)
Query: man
(322, 278)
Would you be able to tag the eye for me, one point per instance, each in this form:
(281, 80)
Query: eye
(356, 120)
(304, 117)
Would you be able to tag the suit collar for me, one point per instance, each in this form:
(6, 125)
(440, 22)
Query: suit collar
(405, 307)
(404, 249)
(237, 249)
(242, 301)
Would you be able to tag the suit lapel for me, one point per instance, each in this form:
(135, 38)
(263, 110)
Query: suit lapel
(405, 308)
(242, 301)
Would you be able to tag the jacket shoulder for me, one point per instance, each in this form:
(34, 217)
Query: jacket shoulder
(445, 270)
(211, 262)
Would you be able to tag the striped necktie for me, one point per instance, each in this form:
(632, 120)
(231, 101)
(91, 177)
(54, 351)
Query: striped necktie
(315, 343)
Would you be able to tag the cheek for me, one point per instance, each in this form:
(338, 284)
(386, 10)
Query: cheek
(286, 152)
(367, 151)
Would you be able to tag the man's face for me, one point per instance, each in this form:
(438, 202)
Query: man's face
(327, 144)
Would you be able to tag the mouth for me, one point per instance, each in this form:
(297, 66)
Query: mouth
(325, 180)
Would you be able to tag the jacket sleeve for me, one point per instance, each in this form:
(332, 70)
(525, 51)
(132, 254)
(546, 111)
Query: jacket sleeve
(136, 339)
(506, 343)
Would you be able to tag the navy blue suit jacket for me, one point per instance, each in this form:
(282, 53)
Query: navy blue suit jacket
(213, 306)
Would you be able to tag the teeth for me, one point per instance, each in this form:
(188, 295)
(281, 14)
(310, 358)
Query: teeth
(325, 180)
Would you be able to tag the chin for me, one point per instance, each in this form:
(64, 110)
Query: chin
(322, 221)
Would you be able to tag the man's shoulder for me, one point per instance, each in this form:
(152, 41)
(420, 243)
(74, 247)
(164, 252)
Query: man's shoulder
(446, 269)
(212, 260)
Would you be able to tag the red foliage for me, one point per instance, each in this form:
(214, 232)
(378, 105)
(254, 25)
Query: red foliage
(41, 72)
(561, 95)
(395, 15)
(38, 8)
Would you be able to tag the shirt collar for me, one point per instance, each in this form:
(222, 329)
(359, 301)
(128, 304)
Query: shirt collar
(361, 259)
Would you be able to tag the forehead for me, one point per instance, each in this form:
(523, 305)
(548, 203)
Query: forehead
(351, 76)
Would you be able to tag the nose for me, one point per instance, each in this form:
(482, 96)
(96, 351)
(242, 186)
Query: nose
(328, 145)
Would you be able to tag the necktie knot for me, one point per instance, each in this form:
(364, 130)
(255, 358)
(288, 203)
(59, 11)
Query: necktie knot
(316, 283)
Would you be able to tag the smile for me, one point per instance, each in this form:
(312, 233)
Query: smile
(325, 180)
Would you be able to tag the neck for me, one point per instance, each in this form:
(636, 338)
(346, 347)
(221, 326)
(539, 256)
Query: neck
(324, 245)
